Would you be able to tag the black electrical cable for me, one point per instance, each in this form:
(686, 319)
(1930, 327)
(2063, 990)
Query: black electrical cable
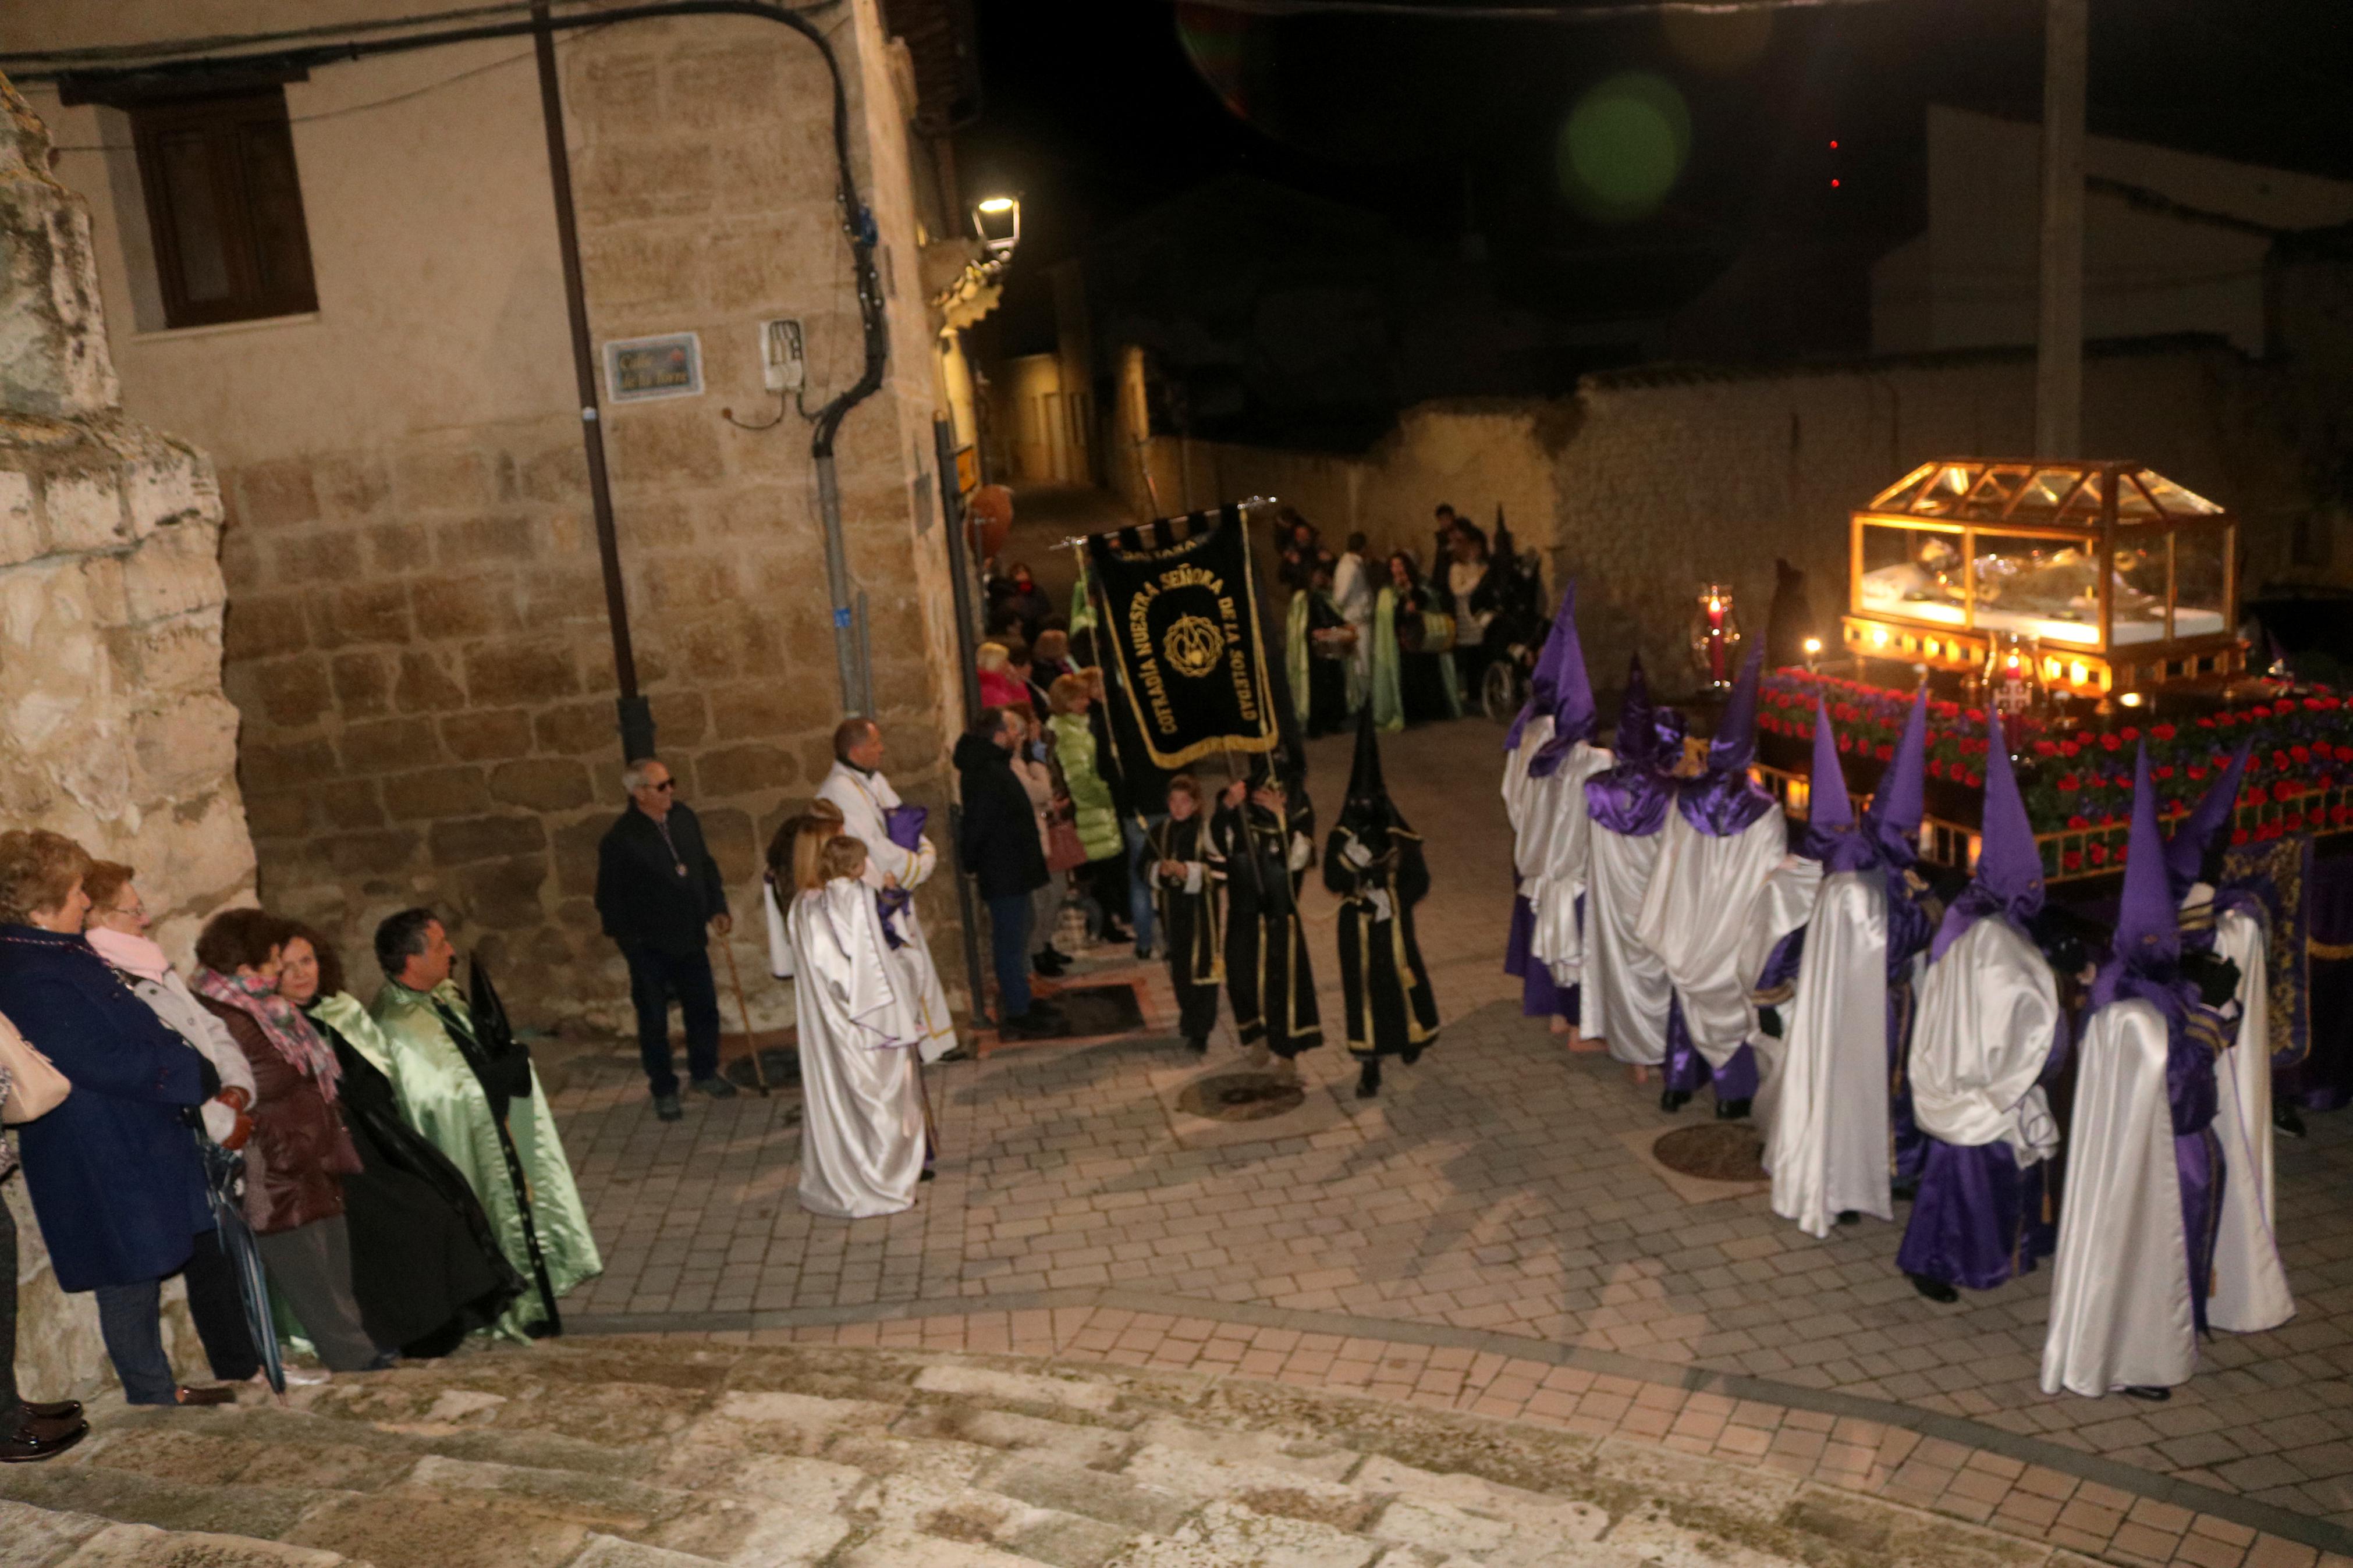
(856, 222)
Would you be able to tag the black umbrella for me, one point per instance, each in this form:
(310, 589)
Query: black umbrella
(225, 1187)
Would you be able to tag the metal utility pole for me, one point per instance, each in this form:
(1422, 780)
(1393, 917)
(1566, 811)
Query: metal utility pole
(636, 718)
(2059, 333)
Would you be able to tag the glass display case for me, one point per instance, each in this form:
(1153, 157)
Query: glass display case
(2117, 578)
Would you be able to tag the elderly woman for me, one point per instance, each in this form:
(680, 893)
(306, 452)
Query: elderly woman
(114, 1171)
(116, 929)
(1097, 813)
(300, 1152)
(426, 1264)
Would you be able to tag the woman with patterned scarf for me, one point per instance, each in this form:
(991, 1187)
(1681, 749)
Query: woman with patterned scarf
(299, 1152)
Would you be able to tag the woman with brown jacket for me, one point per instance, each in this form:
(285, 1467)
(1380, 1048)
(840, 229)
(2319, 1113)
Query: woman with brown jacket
(300, 1152)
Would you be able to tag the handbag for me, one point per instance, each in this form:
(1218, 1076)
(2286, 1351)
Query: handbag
(36, 1088)
(1064, 848)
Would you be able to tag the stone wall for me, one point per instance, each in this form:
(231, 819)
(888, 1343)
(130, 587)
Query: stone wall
(417, 632)
(116, 731)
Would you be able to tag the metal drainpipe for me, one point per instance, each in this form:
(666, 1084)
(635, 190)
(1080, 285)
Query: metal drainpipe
(855, 698)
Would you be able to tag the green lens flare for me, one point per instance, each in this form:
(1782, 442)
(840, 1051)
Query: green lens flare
(1622, 148)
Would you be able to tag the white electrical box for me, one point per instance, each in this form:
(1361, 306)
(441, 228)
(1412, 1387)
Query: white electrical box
(783, 367)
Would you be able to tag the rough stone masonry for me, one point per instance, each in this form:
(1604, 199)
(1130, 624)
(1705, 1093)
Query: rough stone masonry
(115, 729)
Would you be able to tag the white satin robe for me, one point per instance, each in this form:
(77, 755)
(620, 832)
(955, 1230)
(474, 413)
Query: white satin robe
(1694, 914)
(2251, 1293)
(1626, 989)
(862, 1108)
(864, 798)
(2120, 1309)
(1988, 1015)
(1557, 863)
(1827, 1149)
(1782, 905)
(1538, 730)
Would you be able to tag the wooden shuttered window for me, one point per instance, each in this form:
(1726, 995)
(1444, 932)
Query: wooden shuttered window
(224, 207)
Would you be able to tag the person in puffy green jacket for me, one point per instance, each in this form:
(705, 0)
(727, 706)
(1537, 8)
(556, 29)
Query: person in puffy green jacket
(1095, 817)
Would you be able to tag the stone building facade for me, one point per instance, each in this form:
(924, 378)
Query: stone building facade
(417, 638)
(116, 733)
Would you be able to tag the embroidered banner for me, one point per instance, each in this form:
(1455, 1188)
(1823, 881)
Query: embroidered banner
(1181, 627)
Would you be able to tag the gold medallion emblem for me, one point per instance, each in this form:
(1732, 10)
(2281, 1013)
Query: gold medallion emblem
(1193, 645)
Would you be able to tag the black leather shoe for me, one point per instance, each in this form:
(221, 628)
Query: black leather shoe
(1673, 1099)
(2153, 1395)
(1368, 1080)
(1934, 1290)
(667, 1107)
(717, 1088)
(61, 1410)
(1731, 1110)
(2286, 1119)
(1849, 1216)
(1048, 963)
(29, 1446)
(1197, 1044)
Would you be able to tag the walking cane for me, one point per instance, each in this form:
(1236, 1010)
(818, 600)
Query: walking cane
(734, 979)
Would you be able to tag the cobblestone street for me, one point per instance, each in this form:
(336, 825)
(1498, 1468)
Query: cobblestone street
(1485, 1212)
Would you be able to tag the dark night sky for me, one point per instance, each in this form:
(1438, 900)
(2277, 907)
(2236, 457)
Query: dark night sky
(1103, 112)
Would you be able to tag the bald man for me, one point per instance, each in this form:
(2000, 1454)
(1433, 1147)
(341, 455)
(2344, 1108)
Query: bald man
(867, 801)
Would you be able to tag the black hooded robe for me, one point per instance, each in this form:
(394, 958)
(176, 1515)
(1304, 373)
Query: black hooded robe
(1190, 931)
(1267, 974)
(1374, 862)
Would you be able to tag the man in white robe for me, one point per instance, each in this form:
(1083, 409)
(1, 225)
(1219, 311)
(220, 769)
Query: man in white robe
(2134, 1260)
(2250, 1288)
(1625, 995)
(1552, 854)
(865, 798)
(1726, 837)
(1989, 1035)
(1352, 596)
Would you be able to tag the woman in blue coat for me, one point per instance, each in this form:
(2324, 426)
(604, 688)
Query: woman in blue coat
(114, 1171)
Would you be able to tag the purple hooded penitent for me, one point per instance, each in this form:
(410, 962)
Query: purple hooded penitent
(2148, 923)
(1574, 716)
(1724, 800)
(2185, 852)
(2009, 879)
(1633, 796)
(1636, 741)
(1893, 819)
(1544, 682)
(1735, 746)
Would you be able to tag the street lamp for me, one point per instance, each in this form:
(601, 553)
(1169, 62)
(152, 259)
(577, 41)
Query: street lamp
(997, 221)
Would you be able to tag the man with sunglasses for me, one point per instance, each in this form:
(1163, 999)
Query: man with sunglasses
(660, 898)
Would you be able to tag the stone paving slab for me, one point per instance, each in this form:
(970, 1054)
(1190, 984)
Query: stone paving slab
(1488, 1192)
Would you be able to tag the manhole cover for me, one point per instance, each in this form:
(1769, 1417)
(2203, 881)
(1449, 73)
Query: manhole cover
(1239, 1097)
(1715, 1152)
(782, 1067)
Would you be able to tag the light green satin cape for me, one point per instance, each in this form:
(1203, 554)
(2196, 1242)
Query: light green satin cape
(441, 1097)
(1389, 702)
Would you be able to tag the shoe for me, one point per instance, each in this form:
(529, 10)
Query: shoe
(2286, 1119)
(1849, 1216)
(1368, 1080)
(1115, 935)
(384, 1362)
(717, 1088)
(1143, 952)
(666, 1106)
(30, 1444)
(959, 1052)
(1031, 1025)
(61, 1410)
(218, 1394)
(2155, 1395)
(1904, 1191)
(1197, 1044)
(1673, 1099)
(1731, 1110)
(1410, 1055)
(1049, 964)
(1937, 1290)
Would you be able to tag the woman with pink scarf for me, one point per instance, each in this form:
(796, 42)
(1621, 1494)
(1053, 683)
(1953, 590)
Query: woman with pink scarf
(301, 1151)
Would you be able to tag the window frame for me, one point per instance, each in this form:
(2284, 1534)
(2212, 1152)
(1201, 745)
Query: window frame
(224, 119)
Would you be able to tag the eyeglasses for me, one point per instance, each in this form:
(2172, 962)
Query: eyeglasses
(664, 787)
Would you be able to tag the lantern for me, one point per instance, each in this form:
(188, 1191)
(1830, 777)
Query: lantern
(1715, 635)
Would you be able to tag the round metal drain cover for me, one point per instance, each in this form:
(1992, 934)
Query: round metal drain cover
(1713, 1152)
(1240, 1097)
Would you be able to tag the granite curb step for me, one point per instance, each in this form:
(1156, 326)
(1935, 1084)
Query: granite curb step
(650, 1455)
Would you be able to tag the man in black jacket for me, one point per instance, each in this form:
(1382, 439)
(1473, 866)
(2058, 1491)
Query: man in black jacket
(659, 896)
(999, 846)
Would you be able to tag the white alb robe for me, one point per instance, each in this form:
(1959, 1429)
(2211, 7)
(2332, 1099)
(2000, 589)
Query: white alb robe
(862, 799)
(1988, 1015)
(1827, 1149)
(1694, 913)
(1626, 989)
(2250, 1290)
(2120, 1310)
(1533, 735)
(1352, 596)
(862, 1117)
(1782, 905)
(1560, 838)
